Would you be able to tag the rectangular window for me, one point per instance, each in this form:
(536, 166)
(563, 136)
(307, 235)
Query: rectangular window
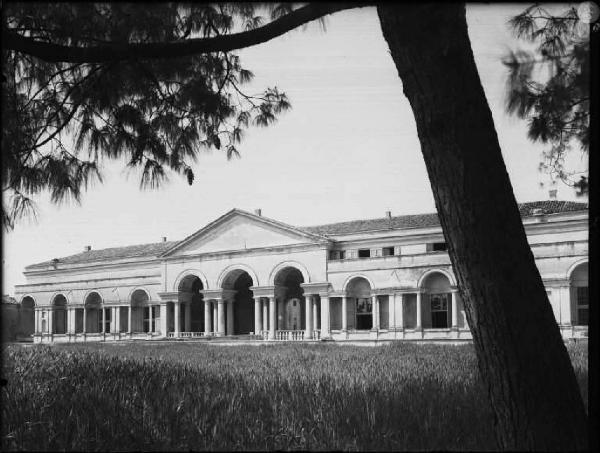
(388, 251)
(439, 311)
(364, 313)
(582, 306)
(437, 247)
(337, 254)
(364, 253)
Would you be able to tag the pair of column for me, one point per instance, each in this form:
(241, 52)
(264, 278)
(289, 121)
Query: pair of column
(311, 315)
(265, 316)
(218, 314)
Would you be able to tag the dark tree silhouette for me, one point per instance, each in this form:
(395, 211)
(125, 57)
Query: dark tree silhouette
(522, 357)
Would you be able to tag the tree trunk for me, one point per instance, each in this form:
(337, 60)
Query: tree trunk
(522, 357)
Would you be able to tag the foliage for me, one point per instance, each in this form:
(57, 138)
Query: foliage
(550, 87)
(207, 397)
(61, 119)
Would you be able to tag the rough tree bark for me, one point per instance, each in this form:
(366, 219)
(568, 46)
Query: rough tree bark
(522, 357)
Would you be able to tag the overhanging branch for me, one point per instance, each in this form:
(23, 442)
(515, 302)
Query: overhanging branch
(117, 51)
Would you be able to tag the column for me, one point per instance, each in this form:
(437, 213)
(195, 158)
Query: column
(308, 307)
(85, 320)
(129, 316)
(454, 309)
(70, 320)
(565, 306)
(164, 321)
(392, 311)
(50, 320)
(177, 316)
(272, 319)
(188, 317)
(418, 326)
(316, 313)
(257, 316)
(400, 318)
(229, 317)
(118, 319)
(324, 316)
(344, 313)
(265, 315)
(207, 320)
(375, 300)
(215, 317)
(36, 319)
(221, 317)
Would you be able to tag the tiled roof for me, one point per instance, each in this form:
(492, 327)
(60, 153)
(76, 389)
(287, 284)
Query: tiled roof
(332, 229)
(431, 220)
(114, 253)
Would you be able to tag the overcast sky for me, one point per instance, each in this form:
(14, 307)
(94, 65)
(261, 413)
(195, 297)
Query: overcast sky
(347, 150)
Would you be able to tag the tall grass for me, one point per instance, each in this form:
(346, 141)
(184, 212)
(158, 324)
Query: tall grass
(174, 396)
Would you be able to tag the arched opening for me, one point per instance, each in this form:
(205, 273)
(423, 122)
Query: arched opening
(291, 309)
(240, 281)
(439, 301)
(59, 315)
(359, 303)
(27, 324)
(142, 318)
(93, 313)
(580, 295)
(191, 314)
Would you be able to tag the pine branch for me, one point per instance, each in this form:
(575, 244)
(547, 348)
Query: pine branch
(119, 51)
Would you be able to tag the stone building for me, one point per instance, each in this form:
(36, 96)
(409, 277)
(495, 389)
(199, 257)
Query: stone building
(386, 278)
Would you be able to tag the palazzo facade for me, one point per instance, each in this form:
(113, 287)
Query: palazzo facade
(250, 276)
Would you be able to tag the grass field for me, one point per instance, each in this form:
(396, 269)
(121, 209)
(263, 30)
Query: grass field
(182, 396)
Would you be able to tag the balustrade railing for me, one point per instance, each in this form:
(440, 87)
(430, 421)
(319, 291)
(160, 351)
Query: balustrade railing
(289, 335)
(187, 335)
(191, 334)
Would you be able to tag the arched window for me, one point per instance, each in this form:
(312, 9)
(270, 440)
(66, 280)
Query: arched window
(437, 286)
(360, 309)
(580, 295)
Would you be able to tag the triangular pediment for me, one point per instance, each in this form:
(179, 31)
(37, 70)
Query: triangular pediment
(239, 230)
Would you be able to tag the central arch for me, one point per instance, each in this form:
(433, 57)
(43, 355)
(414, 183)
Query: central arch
(93, 313)
(291, 304)
(437, 286)
(360, 305)
(240, 281)
(189, 292)
(59, 314)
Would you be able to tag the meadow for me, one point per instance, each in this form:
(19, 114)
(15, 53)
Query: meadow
(198, 396)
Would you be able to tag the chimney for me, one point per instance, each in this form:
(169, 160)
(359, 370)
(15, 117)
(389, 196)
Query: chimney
(552, 194)
(258, 212)
(388, 214)
(54, 262)
(164, 239)
(87, 248)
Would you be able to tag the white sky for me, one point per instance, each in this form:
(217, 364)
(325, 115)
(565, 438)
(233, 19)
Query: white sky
(347, 150)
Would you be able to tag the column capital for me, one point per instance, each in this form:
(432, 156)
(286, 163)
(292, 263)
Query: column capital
(454, 289)
(169, 296)
(262, 291)
(316, 288)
